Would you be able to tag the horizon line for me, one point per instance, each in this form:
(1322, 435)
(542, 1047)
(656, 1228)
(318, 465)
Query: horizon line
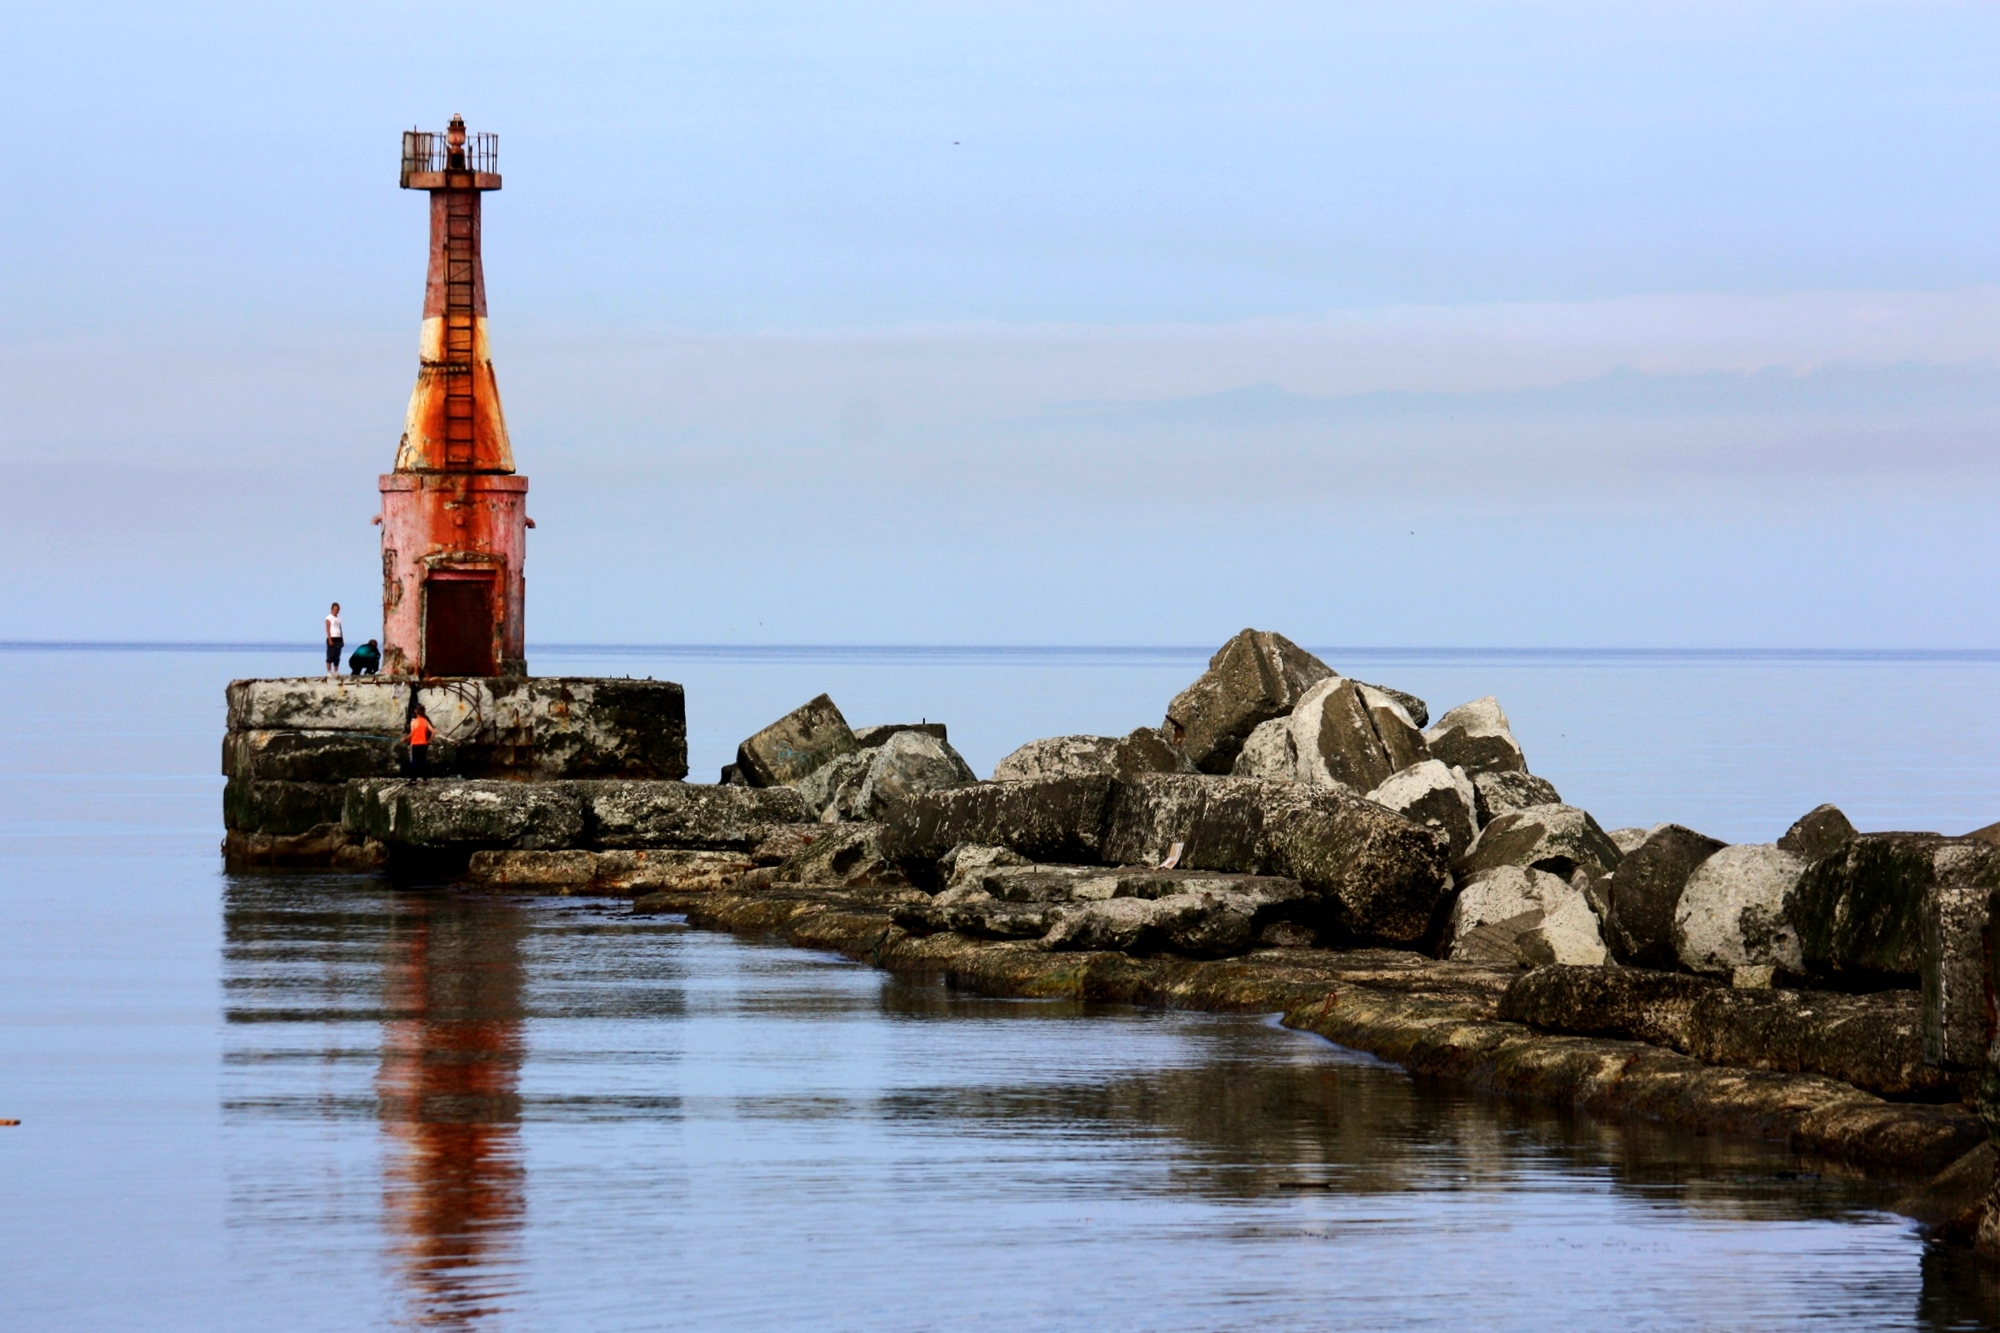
(1161, 650)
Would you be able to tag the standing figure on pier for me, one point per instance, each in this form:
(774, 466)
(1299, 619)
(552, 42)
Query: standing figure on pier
(454, 514)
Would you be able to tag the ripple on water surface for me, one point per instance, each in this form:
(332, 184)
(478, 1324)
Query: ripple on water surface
(546, 1113)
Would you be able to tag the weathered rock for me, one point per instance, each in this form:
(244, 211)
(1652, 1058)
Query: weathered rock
(1505, 790)
(539, 728)
(1496, 908)
(281, 809)
(466, 813)
(1958, 1010)
(1348, 734)
(830, 790)
(1627, 840)
(1872, 1041)
(1595, 886)
(994, 897)
(682, 814)
(1859, 910)
(973, 911)
(1555, 838)
(795, 744)
(781, 842)
(1373, 873)
(1476, 737)
(1254, 677)
(321, 847)
(1143, 751)
(1818, 831)
(1049, 819)
(620, 872)
(908, 764)
(1635, 1003)
(308, 756)
(1570, 933)
(850, 855)
(1268, 755)
(581, 727)
(532, 870)
(1415, 710)
(969, 858)
(1987, 833)
(1436, 797)
(1129, 909)
(370, 704)
(1202, 922)
(1646, 887)
(1731, 912)
(870, 737)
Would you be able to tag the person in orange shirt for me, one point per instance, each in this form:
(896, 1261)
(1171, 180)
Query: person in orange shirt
(421, 732)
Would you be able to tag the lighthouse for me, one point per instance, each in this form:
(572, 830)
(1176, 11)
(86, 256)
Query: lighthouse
(454, 512)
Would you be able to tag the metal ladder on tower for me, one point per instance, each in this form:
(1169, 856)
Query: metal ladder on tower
(460, 262)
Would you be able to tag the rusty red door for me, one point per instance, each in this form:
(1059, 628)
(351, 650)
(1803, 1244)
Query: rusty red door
(458, 627)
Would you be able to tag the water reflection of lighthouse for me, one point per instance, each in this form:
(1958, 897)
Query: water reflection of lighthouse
(448, 1092)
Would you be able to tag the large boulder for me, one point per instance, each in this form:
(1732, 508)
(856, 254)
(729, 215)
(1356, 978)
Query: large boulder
(1350, 734)
(1815, 833)
(1268, 754)
(795, 744)
(469, 813)
(1502, 911)
(1859, 909)
(1439, 798)
(1477, 738)
(907, 764)
(850, 856)
(1143, 751)
(1372, 873)
(1131, 909)
(1047, 819)
(1731, 912)
(830, 790)
(1555, 838)
(682, 814)
(1210, 916)
(991, 897)
(583, 727)
(1872, 1041)
(1504, 790)
(1646, 888)
(1958, 1013)
(870, 737)
(1638, 1004)
(1254, 677)
(1414, 709)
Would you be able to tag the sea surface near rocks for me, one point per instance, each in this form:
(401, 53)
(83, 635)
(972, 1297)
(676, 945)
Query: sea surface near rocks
(312, 1102)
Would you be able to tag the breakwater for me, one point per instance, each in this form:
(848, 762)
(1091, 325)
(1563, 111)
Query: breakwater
(1292, 840)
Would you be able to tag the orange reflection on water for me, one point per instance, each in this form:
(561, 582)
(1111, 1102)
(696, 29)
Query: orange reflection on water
(449, 1099)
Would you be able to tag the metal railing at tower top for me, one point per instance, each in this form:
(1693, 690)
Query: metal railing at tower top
(428, 151)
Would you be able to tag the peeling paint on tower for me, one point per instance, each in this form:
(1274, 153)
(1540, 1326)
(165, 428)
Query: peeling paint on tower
(454, 514)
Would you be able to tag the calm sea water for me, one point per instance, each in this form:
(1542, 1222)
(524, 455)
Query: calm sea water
(313, 1102)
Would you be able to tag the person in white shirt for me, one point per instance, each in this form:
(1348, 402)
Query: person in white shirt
(333, 641)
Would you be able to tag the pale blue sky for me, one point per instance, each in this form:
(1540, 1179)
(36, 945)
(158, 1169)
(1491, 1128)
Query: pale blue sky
(1590, 324)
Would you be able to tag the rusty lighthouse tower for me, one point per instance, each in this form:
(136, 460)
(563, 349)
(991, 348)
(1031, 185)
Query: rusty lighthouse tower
(454, 513)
